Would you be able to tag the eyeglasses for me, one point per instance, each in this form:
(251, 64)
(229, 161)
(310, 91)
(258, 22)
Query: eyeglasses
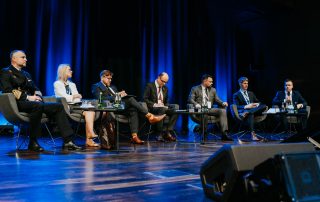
(163, 81)
(109, 78)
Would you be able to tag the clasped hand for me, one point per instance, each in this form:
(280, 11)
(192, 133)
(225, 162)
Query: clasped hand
(34, 98)
(123, 93)
(251, 105)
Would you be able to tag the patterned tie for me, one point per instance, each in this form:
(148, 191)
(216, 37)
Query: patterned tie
(159, 94)
(207, 95)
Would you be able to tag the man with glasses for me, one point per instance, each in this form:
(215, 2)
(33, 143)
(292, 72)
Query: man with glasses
(204, 95)
(157, 99)
(132, 107)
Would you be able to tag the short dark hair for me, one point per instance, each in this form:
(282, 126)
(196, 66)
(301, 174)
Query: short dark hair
(205, 76)
(287, 80)
(13, 52)
(242, 79)
(106, 73)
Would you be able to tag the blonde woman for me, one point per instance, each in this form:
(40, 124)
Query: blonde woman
(63, 87)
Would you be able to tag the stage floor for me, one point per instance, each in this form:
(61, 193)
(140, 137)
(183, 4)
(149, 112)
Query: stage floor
(151, 172)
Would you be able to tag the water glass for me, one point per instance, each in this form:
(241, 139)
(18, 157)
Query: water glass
(190, 108)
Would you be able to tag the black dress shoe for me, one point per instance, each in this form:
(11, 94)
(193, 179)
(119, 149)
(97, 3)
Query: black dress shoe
(34, 146)
(169, 137)
(160, 138)
(226, 138)
(70, 146)
(197, 129)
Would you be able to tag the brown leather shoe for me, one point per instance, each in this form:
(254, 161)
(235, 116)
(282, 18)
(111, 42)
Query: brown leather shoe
(91, 143)
(136, 140)
(154, 119)
(254, 137)
(92, 136)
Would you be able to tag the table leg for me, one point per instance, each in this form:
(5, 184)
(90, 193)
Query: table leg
(117, 132)
(202, 138)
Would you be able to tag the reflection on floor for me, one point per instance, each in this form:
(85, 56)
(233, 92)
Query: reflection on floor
(155, 171)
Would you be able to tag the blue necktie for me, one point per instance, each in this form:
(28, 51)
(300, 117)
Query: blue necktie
(246, 97)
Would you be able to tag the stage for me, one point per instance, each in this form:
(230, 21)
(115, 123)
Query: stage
(151, 172)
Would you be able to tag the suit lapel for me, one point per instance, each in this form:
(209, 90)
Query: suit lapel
(105, 89)
(241, 96)
(154, 90)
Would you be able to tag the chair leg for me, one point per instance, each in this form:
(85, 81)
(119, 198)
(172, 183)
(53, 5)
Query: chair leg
(18, 137)
(213, 134)
(52, 139)
(149, 131)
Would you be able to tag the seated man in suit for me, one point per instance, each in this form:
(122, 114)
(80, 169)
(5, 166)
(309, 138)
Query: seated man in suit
(132, 107)
(15, 80)
(157, 99)
(290, 97)
(248, 105)
(203, 94)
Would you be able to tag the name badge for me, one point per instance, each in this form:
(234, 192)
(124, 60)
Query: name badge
(209, 104)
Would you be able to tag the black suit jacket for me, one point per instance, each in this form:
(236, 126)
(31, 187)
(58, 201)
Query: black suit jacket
(296, 98)
(150, 95)
(106, 92)
(13, 79)
(240, 101)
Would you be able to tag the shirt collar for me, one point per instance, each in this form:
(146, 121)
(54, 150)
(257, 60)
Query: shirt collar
(156, 83)
(242, 91)
(286, 92)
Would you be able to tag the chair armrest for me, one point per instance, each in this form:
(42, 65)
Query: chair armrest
(64, 102)
(234, 112)
(9, 109)
(51, 98)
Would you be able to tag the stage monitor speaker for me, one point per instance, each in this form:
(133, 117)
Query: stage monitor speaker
(286, 177)
(221, 174)
(302, 136)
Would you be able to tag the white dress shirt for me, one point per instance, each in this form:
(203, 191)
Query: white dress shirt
(60, 90)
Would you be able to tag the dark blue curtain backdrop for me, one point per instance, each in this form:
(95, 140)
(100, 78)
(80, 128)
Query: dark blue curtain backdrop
(266, 41)
(51, 32)
(175, 39)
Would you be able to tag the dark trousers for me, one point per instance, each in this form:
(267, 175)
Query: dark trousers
(172, 118)
(132, 108)
(249, 120)
(52, 110)
(301, 116)
(217, 112)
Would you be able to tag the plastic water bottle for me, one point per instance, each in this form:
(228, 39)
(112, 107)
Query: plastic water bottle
(283, 107)
(117, 100)
(100, 100)
(295, 108)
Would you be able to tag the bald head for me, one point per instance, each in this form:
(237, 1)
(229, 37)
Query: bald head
(18, 59)
(162, 79)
